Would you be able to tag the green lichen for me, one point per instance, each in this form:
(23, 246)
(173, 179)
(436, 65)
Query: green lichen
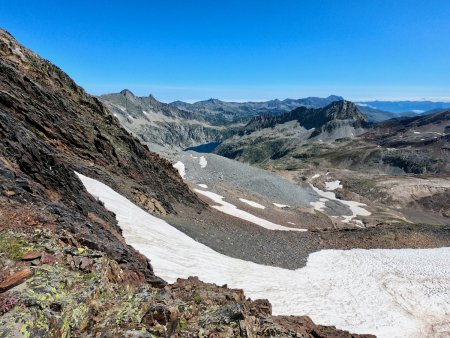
(90, 275)
(182, 325)
(196, 298)
(13, 248)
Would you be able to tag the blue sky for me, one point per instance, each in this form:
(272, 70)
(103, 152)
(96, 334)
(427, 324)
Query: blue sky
(243, 50)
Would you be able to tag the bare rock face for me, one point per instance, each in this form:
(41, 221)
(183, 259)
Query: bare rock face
(161, 125)
(52, 127)
(49, 128)
(311, 118)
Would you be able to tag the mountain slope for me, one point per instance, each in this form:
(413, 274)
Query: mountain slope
(163, 127)
(375, 115)
(50, 127)
(273, 137)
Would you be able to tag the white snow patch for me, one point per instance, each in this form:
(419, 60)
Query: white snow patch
(333, 185)
(281, 205)
(195, 157)
(291, 223)
(232, 210)
(315, 176)
(181, 168)
(320, 204)
(389, 293)
(204, 186)
(251, 203)
(417, 132)
(121, 107)
(355, 207)
(145, 112)
(203, 162)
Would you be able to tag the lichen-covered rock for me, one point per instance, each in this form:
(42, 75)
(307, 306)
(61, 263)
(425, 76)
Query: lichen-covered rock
(85, 293)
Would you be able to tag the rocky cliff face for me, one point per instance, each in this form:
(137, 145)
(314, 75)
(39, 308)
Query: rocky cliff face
(321, 119)
(269, 137)
(163, 126)
(65, 268)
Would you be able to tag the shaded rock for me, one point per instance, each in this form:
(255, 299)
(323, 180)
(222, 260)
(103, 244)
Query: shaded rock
(48, 259)
(224, 315)
(9, 193)
(261, 307)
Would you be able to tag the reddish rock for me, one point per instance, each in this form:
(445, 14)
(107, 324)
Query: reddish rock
(9, 193)
(261, 307)
(31, 255)
(83, 263)
(15, 279)
(48, 259)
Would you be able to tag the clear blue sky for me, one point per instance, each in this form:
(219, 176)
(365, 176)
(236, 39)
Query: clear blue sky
(191, 50)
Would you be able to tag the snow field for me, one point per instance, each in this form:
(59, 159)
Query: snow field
(232, 210)
(333, 185)
(390, 293)
(181, 169)
(355, 207)
(253, 204)
(203, 162)
(281, 205)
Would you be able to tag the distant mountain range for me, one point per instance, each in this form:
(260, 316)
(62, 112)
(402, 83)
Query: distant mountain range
(221, 112)
(311, 118)
(339, 136)
(179, 125)
(396, 107)
(273, 137)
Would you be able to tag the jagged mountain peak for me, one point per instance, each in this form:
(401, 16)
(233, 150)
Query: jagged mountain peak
(211, 101)
(343, 110)
(312, 118)
(127, 93)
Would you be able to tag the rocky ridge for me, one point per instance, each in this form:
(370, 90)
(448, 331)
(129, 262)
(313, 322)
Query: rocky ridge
(223, 112)
(320, 119)
(162, 126)
(65, 289)
(269, 137)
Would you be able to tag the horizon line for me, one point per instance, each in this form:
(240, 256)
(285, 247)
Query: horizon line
(434, 99)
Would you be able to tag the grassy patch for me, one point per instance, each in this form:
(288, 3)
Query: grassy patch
(13, 248)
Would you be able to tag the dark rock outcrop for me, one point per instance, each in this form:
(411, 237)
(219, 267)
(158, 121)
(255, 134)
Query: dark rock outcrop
(319, 119)
(49, 128)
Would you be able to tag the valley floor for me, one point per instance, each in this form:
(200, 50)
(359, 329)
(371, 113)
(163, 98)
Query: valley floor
(253, 202)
